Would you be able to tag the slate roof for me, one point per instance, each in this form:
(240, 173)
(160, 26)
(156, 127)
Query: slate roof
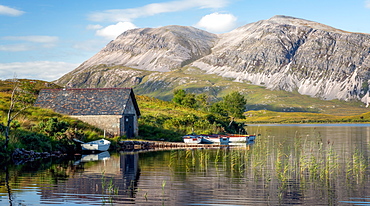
(90, 101)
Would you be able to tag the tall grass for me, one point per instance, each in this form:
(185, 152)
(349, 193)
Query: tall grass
(309, 162)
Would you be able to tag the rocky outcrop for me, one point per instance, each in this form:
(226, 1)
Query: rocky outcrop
(294, 55)
(281, 53)
(20, 156)
(159, 49)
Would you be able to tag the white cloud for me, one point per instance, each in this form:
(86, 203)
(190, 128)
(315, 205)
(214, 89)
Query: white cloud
(7, 11)
(41, 70)
(36, 39)
(32, 43)
(218, 23)
(112, 31)
(122, 15)
(94, 27)
(367, 4)
(16, 47)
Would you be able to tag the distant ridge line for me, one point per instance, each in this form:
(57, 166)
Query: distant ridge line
(112, 88)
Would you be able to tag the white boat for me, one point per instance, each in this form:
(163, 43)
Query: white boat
(226, 139)
(234, 138)
(97, 145)
(192, 139)
(215, 139)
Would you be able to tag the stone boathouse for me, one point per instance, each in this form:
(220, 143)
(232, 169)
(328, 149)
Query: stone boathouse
(114, 110)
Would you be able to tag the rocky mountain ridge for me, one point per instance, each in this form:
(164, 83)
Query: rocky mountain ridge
(281, 53)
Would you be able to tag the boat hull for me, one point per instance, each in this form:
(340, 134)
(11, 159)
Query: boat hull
(241, 138)
(215, 139)
(97, 145)
(192, 139)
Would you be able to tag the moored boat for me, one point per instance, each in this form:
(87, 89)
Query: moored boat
(215, 139)
(97, 145)
(192, 139)
(241, 137)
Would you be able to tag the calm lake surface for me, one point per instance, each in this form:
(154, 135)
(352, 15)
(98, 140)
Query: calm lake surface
(286, 165)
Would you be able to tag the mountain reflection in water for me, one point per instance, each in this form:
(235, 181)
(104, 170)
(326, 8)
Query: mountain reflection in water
(308, 165)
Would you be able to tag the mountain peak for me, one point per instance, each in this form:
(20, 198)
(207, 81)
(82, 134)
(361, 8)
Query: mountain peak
(283, 53)
(289, 20)
(284, 17)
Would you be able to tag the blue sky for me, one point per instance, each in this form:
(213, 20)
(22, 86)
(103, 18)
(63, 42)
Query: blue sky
(44, 39)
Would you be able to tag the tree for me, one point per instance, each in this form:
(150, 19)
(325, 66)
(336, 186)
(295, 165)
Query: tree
(189, 101)
(23, 97)
(202, 101)
(234, 104)
(182, 98)
(178, 96)
(218, 108)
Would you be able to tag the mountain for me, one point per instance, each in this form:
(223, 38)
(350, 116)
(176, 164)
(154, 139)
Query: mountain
(159, 49)
(281, 53)
(293, 54)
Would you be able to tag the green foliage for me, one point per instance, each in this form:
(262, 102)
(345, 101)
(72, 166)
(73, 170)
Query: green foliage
(179, 96)
(22, 97)
(53, 127)
(189, 101)
(33, 141)
(202, 102)
(35, 128)
(218, 108)
(169, 121)
(234, 104)
(60, 132)
(157, 133)
(185, 99)
(2, 128)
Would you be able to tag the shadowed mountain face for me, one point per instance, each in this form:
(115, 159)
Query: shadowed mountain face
(281, 53)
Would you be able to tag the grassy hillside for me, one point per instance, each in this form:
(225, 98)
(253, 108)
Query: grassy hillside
(154, 110)
(265, 116)
(43, 130)
(40, 129)
(193, 80)
(166, 120)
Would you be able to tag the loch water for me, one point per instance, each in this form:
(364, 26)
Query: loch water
(323, 164)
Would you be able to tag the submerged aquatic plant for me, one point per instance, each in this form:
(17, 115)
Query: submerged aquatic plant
(108, 188)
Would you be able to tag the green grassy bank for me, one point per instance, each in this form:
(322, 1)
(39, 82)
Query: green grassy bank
(44, 130)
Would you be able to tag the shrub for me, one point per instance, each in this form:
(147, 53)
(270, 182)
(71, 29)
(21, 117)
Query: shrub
(32, 141)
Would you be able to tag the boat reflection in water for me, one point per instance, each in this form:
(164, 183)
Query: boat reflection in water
(94, 157)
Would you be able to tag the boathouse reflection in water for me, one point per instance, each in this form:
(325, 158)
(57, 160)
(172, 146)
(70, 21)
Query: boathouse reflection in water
(95, 177)
(130, 171)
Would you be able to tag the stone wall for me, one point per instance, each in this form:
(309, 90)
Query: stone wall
(109, 123)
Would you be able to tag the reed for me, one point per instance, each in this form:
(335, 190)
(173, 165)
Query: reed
(356, 167)
(108, 186)
(311, 162)
(163, 186)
